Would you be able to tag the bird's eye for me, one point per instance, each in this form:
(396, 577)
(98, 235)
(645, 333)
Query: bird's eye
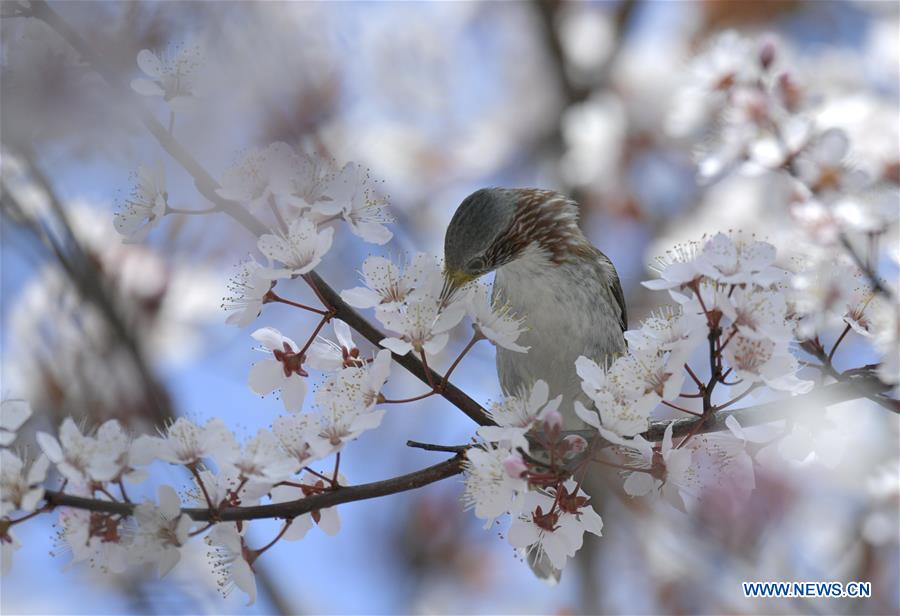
(475, 265)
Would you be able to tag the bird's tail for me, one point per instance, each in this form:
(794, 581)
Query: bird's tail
(542, 567)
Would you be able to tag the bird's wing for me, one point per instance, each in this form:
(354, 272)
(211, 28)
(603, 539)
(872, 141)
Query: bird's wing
(615, 287)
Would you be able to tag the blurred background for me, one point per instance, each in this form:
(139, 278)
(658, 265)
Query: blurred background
(438, 99)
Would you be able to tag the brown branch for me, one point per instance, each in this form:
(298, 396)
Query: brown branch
(450, 392)
(432, 447)
(292, 509)
(207, 186)
(775, 410)
(748, 416)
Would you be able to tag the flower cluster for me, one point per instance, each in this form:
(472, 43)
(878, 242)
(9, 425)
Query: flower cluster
(415, 303)
(305, 195)
(279, 175)
(549, 511)
(21, 480)
(842, 195)
(272, 465)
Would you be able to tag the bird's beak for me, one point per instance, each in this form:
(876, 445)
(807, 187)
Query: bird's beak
(454, 280)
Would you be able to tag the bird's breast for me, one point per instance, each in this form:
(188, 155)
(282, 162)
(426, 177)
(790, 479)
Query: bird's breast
(569, 311)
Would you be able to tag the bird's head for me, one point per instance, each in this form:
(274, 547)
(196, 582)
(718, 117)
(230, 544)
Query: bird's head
(496, 226)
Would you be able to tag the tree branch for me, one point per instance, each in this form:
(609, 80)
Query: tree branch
(207, 186)
(748, 416)
(292, 509)
(828, 395)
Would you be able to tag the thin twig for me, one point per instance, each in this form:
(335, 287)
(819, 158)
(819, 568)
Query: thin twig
(189, 212)
(694, 376)
(337, 466)
(682, 409)
(475, 338)
(431, 447)
(196, 474)
(271, 296)
(840, 339)
(427, 394)
(428, 372)
(262, 550)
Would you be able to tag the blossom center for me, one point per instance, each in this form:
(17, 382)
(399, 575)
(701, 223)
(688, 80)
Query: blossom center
(292, 362)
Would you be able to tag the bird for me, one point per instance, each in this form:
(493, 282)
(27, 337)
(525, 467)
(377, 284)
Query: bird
(548, 273)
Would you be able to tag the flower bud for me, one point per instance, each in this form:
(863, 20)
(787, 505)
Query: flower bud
(767, 52)
(552, 420)
(576, 443)
(789, 92)
(515, 466)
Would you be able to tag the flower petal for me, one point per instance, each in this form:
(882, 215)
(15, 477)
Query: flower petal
(266, 376)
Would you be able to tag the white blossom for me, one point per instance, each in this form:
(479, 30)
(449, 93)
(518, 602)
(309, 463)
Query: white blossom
(261, 462)
(489, 488)
(823, 169)
(111, 458)
(677, 268)
(161, 531)
(346, 402)
(764, 360)
(809, 438)
(823, 294)
(707, 464)
(735, 261)
(72, 454)
(231, 559)
(388, 285)
(146, 206)
(184, 442)
(714, 74)
(21, 484)
(554, 527)
(753, 434)
(516, 415)
(639, 454)
(248, 289)
(13, 413)
(759, 313)
(295, 432)
(224, 488)
(172, 76)
(260, 175)
(720, 470)
(328, 519)
(360, 208)
(299, 250)
(422, 325)
(329, 356)
(305, 184)
(299, 525)
(675, 331)
(666, 470)
(93, 537)
(285, 372)
(623, 394)
(494, 320)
